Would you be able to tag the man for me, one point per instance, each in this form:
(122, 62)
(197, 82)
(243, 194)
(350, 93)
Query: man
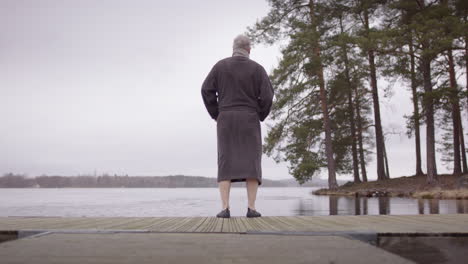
(238, 94)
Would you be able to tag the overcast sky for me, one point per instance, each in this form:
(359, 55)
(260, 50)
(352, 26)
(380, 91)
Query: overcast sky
(114, 87)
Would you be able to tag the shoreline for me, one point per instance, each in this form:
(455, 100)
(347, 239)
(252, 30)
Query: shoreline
(406, 186)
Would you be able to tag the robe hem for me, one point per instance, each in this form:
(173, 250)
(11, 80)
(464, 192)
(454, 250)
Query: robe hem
(240, 180)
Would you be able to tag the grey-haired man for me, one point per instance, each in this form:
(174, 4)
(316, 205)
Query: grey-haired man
(238, 94)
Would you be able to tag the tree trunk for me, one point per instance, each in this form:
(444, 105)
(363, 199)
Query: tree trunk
(387, 170)
(455, 115)
(462, 136)
(466, 67)
(414, 87)
(375, 97)
(462, 140)
(430, 130)
(428, 102)
(359, 134)
(332, 184)
(350, 108)
(463, 151)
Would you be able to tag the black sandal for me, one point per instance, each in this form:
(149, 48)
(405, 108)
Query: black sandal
(224, 213)
(252, 213)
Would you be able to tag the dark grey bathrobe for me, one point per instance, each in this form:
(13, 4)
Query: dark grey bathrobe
(238, 94)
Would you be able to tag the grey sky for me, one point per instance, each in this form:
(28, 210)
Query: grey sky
(114, 86)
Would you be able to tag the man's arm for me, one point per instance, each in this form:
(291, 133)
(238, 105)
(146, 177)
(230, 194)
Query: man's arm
(209, 92)
(265, 98)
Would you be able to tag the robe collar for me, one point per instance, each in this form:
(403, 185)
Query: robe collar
(240, 52)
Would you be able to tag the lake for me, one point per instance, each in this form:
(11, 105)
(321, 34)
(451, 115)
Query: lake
(271, 201)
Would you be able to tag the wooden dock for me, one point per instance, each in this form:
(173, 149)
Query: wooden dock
(264, 240)
(445, 223)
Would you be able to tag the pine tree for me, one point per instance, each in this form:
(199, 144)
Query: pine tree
(423, 21)
(398, 46)
(364, 9)
(300, 82)
(460, 10)
(342, 40)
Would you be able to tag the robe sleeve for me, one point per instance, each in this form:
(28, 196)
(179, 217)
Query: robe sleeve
(209, 92)
(266, 93)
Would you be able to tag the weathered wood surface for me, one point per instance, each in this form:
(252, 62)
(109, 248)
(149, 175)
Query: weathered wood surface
(447, 223)
(191, 248)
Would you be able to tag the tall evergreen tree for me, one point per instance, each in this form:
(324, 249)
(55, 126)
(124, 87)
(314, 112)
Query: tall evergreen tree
(364, 9)
(398, 45)
(460, 10)
(423, 22)
(342, 40)
(316, 69)
(415, 83)
(300, 82)
(455, 111)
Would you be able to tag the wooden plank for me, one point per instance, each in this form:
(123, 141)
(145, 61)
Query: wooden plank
(143, 223)
(94, 223)
(63, 223)
(159, 224)
(244, 223)
(218, 224)
(180, 223)
(296, 223)
(191, 223)
(24, 222)
(169, 224)
(228, 225)
(377, 223)
(282, 223)
(254, 224)
(200, 226)
(317, 224)
(436, 219)
(208, 225)
(128, 223)
(402, 223)
(240, 226)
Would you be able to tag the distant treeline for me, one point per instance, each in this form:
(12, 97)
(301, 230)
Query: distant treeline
(11, 180)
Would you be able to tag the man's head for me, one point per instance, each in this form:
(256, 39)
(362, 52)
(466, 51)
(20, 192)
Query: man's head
(241, 42)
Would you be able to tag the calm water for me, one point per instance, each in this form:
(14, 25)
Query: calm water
(205, 202)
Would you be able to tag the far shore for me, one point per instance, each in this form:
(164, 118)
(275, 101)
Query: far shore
(406, 186)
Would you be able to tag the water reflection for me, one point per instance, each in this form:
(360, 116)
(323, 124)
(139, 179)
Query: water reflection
(384, 205)
(378, 206)
(333, 201)
(420, 206)
(462, 206)
(364, 211)
(360, 206)
(434, 206)
(357, 206)
(431, 206)
(427, 249)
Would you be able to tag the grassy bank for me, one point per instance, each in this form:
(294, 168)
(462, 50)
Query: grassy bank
(407, 186)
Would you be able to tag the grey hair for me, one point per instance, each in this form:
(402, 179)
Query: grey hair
(241, 42)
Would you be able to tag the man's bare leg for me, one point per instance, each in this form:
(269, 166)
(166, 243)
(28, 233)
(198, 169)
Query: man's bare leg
(252, 186)
(224, 189)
